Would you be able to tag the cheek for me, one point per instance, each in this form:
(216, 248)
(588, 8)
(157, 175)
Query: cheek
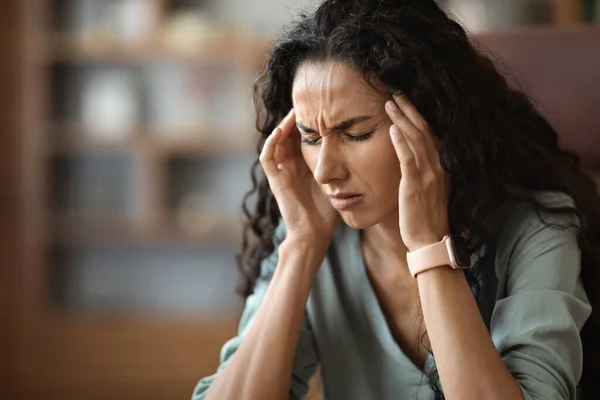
(384, 170)
(310, 156)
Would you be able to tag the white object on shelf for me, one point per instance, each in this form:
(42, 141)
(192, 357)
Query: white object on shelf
(485, 15)
(135, 21)
(188, 32)
(470, 13)
(110, 105)
(233, 106)
(126, 23)
(179, 98)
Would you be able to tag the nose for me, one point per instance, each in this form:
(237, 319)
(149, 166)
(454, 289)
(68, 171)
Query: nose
(330, 163)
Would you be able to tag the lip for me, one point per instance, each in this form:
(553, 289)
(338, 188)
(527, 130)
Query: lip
(343, 201)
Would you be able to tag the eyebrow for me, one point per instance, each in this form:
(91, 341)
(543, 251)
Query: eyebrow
(341, 126)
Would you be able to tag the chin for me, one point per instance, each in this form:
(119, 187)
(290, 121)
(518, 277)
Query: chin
(359, 220)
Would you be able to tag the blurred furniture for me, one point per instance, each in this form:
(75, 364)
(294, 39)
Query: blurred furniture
(12, 219)
(560, 68)
(568, 12)
(77, 207)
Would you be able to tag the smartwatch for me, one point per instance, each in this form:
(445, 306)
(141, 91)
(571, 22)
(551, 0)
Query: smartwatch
(451, 251)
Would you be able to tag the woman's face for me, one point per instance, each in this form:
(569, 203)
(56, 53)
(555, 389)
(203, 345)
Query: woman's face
(346, 141)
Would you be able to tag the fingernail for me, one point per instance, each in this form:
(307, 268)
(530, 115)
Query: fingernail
(391, 105)
(394, 131)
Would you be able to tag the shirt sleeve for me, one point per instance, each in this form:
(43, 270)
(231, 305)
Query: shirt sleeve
(305, 360)
(536, 326)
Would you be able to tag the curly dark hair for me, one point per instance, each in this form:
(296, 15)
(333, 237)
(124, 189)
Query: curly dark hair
(494, 144)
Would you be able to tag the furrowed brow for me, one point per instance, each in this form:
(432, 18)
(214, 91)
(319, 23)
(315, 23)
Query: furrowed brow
(338, 127)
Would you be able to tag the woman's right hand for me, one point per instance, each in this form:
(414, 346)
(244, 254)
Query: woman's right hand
(305, 209)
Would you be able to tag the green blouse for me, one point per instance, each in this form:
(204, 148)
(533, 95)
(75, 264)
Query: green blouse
(532, 301)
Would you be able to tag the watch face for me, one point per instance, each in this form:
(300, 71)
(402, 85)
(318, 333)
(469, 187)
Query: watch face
(461, 251)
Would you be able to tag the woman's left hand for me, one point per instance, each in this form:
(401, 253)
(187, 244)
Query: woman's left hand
(424, 187)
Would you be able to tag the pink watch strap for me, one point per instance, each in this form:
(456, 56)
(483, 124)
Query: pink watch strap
(432, 256)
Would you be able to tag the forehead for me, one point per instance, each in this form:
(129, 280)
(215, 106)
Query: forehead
(333, 89)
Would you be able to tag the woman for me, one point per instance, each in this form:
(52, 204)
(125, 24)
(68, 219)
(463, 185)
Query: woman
(384, 131)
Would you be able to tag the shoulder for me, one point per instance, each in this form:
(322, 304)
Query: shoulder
(519, 221)
(541, 304)
(539, 249)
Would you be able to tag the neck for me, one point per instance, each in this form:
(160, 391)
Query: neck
(385, 259)
(385, 237)
(383, 246)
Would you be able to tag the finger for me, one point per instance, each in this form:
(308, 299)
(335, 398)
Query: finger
(413, 136)
(287, 124)
(411, 112)
(280, 151)
(408, 162)
(421, 124)
(296, 140)
(267, 155)
(285, 147)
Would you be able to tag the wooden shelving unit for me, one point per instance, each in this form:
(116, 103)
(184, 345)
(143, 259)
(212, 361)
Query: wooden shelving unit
(70, 354)
(238, 51)
(128, 358)
(73, 140)
(575, 12)
(122, 230)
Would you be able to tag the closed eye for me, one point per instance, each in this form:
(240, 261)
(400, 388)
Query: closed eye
(310, 142)
(353, 138)
(362, 137)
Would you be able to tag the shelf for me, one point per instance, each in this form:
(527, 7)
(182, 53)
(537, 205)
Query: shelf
(88, 229)
(80, 230)
(128, 352)
(566, 12)
(85, 147)
(145, 355)
(71, 140)
(205, 145)
(245, 52)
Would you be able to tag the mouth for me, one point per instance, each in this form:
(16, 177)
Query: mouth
(344, 201)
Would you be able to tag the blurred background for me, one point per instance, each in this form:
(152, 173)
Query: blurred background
(127, 134)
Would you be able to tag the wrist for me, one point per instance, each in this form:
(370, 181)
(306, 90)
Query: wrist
(310, 251)
(306, 243)
(451, 252)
